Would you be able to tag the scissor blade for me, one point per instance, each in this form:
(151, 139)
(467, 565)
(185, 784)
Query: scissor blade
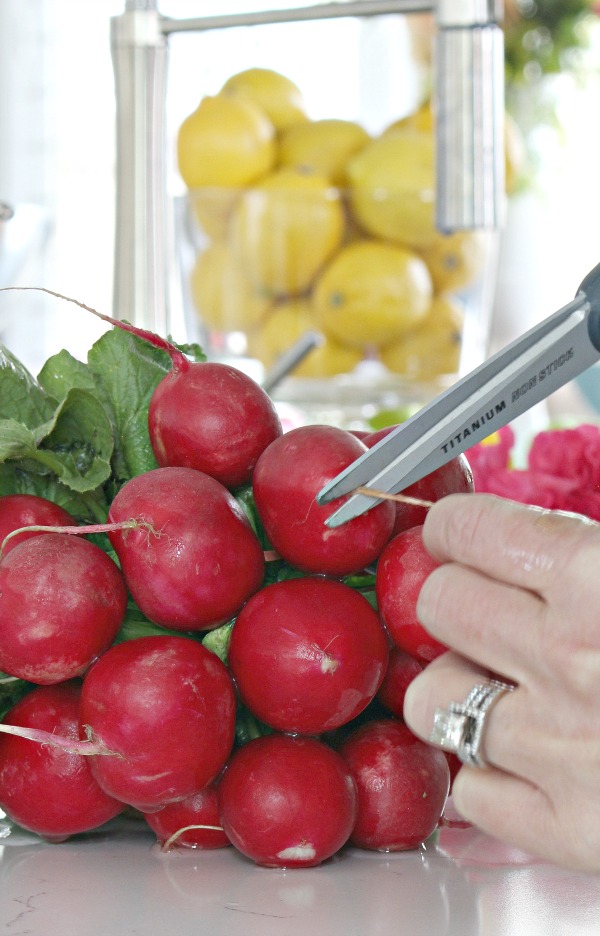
(507, 385)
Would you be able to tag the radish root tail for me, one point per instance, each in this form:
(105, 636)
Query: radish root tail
(399, 498)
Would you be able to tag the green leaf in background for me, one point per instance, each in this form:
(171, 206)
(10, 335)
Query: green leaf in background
(21, 398)
(78, 444)
(127, 370)
(16, 440)
(62, 372)
(11, 690)
(88, 507)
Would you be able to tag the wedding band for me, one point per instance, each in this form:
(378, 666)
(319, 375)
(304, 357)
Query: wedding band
(459, 728)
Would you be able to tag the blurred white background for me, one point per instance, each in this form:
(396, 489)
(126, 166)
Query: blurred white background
(57, 150)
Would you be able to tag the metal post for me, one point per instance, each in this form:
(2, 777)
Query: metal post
(469, 62)
(139, 51)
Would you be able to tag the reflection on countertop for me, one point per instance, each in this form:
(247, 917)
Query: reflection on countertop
(117, 881)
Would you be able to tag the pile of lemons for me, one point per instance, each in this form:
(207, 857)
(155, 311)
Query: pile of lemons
(314, 225)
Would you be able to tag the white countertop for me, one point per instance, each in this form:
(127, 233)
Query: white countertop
(117, 882)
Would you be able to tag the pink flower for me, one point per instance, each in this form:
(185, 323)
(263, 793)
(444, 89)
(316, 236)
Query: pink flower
(568, 453)
(562, 473)
(491, 455)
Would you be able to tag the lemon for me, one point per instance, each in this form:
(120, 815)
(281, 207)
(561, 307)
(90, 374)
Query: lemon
(371, 294)
(433, 349)
(276, 95)
(212, 208)
(285, 229)
(422, 120)
(221, 295)
(456, 260)
(226, 141)
(284, 325)
(323, 147)
(392, 188)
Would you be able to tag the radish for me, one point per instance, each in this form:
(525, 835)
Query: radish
(193, 822)
(212, 417)
(402, 785)
(44, 788)
(287, 802)
(402, 569)
(204, 561)
(27, 510)
(288, 476)
(166, 707)
(62, 601)
(455, 477)
(402, 669)
(307, 654)
(204, 415)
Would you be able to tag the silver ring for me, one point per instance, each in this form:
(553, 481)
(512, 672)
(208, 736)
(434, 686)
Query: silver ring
(459, 728)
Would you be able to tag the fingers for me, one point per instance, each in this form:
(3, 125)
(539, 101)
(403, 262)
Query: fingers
(506, 807)
(498, 626)
(519, 813)
(517, 734)
(517, 544)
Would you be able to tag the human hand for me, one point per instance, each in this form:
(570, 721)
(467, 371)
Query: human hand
(517, 598)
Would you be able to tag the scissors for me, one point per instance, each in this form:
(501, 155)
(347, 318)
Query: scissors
(509, 383)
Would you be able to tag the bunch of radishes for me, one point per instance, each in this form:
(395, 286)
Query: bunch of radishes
(262, 707)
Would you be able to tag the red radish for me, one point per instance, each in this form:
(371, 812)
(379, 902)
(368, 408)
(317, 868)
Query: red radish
(307, 654)
(212, 417)
(402, 569)
(166, 705)
(402, 785)
(287, 802)
(455, 477)
(204, 415)
(26, 510)
(204, 560)
(193, 822)
(288, 476)
(43, 788)
(402, 669)
(454, 763)
(62, 601)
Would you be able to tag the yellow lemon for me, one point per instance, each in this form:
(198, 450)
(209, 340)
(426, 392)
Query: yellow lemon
(284, 325)
(276, 95)
(323, 147)
(212, 208)
(392, 188)
(226, 141)
(422, 120)
(285, 229)
(456, 260)
(221, 294)
(433, 349)
(371, 294)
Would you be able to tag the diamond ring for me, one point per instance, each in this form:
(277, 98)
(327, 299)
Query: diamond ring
(459, 728)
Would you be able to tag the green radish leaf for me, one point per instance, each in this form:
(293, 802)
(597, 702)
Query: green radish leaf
(11, 690)
(127, 370)
(76, 444)
(21, 398)
(85, 508)
(63, 372)
(16, 440)
(217, 640)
